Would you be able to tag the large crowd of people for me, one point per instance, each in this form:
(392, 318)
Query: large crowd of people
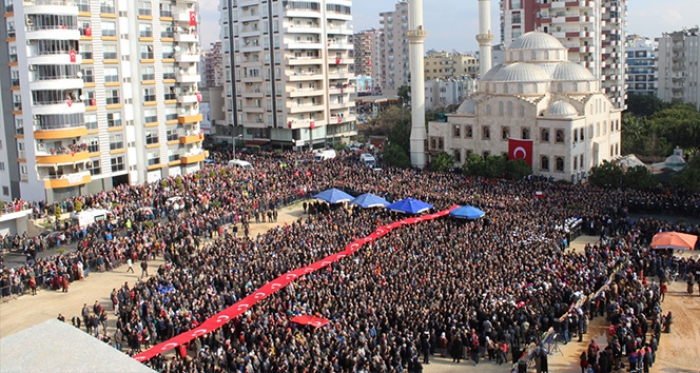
(474, 290)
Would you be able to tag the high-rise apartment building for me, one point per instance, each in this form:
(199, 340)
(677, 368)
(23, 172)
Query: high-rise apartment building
(103, 93)
(642, 69)
(593, 31)
(394, 51)
(367, 46)
(440, 65)
(679, 67)
(288, 80)
(213, 61)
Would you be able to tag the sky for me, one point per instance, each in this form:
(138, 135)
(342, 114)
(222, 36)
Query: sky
(452, 24)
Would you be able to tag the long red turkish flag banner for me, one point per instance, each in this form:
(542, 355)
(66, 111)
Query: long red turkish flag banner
(220, 319)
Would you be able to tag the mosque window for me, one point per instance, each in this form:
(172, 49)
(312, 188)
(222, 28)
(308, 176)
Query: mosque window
(505, 89)
(544, 163)
(560, 136)
(457, 155)
(521, 111)
(560, 164)
(505, 133)
(488, 109)
(581, 135)
(575, 164)
(486, 133)
(486, 154)
(500, 109)
(520, 87)
(575, 135)
(456, 130)
(545, 135)
(468, 132)
(526, 133)
(560, 87)
(510, 109)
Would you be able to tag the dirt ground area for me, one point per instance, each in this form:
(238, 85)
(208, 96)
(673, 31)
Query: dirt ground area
(679, 351)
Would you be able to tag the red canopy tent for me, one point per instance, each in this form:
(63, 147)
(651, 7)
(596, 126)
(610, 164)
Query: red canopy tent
(674, 240)
(314, 321)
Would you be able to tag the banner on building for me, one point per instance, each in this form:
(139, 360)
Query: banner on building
(520, 149)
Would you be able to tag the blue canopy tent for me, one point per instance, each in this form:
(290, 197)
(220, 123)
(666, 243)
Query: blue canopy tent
(334, 196)
(467, 212)
(368, 200)
(410, 206)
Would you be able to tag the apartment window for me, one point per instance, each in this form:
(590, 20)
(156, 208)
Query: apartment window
(148, 73)
(88, 75)
(171, 134)
(147, 52)
(107, 6)
(166, 10)
(117, 164)
(116, 142)
(23, 173)
(145, 30)
(94, 167)
(5, 190)
(91, 121)
(145, 8)
(2, 166)
(111, 74)
(14, 81)
(150, 116)
(114, 119)
(93, 145)
(167, 50)
(170, 113)
(173, 155)
(10, 29)
(13, 53)
(170, 93)
(19, 126)
(168, 72)
(544, 163)
(112, 97)
(153, 158)
(9, 6)
(166, 30)
(109, 28)
(505, 133)
(486, 133)
(109, 52)
(89, 98)
(151, 137)
(86, 51)
(83, 5)
(149, 94)
(468, 132)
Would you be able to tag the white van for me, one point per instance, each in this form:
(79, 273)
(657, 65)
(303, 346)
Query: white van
(88, 217)
(368, 160)
(237, 163)
(324, 155)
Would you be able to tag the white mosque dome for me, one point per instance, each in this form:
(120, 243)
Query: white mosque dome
(521, 72)
(536, 40)
(561, 108)
(571, 71)
(467, 107)
(492, 73)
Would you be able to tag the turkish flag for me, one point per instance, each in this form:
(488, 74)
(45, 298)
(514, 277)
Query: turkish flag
(88, 31)
(520, 149)
(312, 124)
(72, 55)
(337, 60)
(199, 96)
(193, 18)
(340, 119)
(70, 103)
(289, 124)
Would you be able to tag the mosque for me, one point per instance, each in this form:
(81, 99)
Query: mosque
(553, 110)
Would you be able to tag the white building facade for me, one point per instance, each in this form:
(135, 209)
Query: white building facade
(288, 71)
(104, 92)
(679, 67)
(536, 94)
(394, 54)
(441, 93)
(642, 68)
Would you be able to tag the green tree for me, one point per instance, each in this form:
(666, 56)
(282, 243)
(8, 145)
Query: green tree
(475, 165)
(517, 169)
(388, 119)
(639, 177)
(644, 105)
(340, 146)
(404, 93)
(606, 175)
(679, 125)
(495, 166)
(689, 177)
(442, 162)
(400, 134)
(394, 155)
(635, 134)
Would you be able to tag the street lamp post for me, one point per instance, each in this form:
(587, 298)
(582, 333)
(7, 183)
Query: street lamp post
(233, 142)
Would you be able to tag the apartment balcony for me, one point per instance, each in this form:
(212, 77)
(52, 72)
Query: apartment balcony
(296, 124)
(191, 139)
(188, 98)
(340, 16)
(57, 107)
(252, 93)
(57, 7)
(188, 78)
(302, 13)
(190, 118)
(187, 57)
(65, 157)
(340, 75)
(253, 109)
(61, 131)
(340, 61)
(305, 108)
(57, 57)
(55, 83)
(182, 16)
(251, 48)
(305, 92)
(186, 38)
(193, 158)
(291, 28)
(303, 76)
(302, 44)
(52, 33)
(340, 45)
(297, 61)
(67, 180)
(341, 90)
(341, 30)
(587, 49)
(252, 78)
(341, 105)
